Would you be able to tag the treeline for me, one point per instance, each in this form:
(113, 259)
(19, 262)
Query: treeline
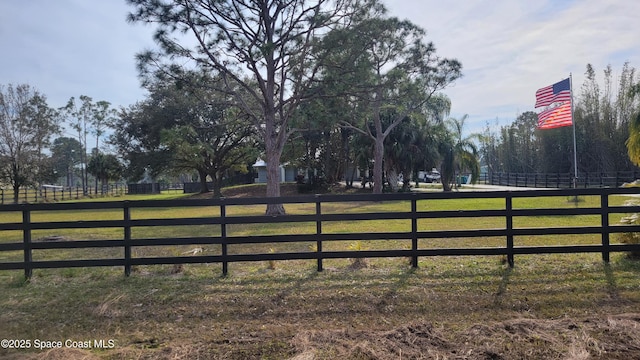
(348, 92)
(336, 88)
(32, 150)
(329, 86)
(602, 116)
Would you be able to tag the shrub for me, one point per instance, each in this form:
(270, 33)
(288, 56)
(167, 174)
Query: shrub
(271, 264)
(357, 263)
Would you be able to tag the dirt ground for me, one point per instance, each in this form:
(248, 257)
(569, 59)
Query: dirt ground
(614, 337)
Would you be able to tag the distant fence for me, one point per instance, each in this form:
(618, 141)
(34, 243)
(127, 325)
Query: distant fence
(320, 218)
(145, 188)
(561, 180)
(62, 193)
(59, 193)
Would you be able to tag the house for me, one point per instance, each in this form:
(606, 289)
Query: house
(288, 173)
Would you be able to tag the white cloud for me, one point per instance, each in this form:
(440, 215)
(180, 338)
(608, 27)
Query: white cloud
(71, 47)
(508, 48)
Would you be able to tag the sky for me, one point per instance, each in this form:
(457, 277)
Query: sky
(508, 48)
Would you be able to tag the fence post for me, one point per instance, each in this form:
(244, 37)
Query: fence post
(319, 231)
(127, 238)
(586, 179)
(509, 226)
(604, 208)
(26, 237)
(223, 236)
(414, 231)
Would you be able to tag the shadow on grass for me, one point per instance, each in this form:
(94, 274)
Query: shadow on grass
(629, 263)
(392, 293)
(281, 296)
(504, 283)
(612, 288)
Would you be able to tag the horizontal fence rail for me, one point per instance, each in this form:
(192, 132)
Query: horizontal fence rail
(59, 193)
(561, 180)
(316, 220)
(66, 193)
(51, 193)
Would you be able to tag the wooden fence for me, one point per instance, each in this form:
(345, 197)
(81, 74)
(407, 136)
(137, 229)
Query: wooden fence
(320, 218)
(59, 193)
(561, 180)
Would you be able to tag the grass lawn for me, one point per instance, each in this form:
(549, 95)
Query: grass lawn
(548, 306)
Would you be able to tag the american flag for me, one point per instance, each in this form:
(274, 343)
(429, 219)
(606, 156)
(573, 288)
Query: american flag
(558, 92)
(557, 116)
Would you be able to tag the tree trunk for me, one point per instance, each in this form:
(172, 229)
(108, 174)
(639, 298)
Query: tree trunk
(16, 193)
(274, 143)
(406, 181)
(85, 176)
(217, 184)
(15, 173)
(392, 177)
(445, 175)
(204, 188)
(349, 178)
(273, 183)
(446, 186)
(378, 155)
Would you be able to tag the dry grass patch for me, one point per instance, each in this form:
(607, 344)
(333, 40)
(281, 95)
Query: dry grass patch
(615, 337)
(549, 306)
(554, 306)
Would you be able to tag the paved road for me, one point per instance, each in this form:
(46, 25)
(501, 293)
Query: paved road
(471, 187)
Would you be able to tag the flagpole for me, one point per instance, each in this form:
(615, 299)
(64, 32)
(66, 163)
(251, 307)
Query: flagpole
(573, 122)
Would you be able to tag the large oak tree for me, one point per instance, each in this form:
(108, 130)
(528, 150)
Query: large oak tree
(180, 127)
(264, 46)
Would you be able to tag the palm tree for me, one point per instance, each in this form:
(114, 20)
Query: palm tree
(458, 153)
(104, 167)
(410, 146)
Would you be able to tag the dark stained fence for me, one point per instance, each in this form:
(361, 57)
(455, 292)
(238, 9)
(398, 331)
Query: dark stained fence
(561, 180)
(319, 217)
(59, 193)
(144, 188)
